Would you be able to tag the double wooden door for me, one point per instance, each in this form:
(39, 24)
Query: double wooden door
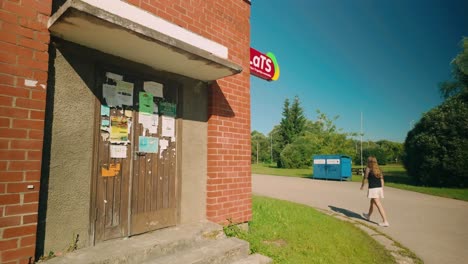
(135, 177)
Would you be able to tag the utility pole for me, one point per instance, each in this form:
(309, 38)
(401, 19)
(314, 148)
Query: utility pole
(271, 147)
(257, 152)
(362, 167)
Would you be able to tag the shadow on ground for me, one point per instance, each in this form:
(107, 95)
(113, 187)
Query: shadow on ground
(347, 213)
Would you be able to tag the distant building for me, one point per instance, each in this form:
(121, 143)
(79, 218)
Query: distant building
(120, 117)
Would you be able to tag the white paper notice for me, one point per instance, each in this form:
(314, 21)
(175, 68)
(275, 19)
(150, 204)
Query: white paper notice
(128, 113)
(118, 151)
(163, 144)
(154, 88)
(168, 126)
(124, 93)
(149, 122)
(114, 76)
(110, 94)
(154, 124)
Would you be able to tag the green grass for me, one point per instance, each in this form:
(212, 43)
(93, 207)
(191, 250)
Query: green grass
(294, 233)
(395, 176)
(271, 169)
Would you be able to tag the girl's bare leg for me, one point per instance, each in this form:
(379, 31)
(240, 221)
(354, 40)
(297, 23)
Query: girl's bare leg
(381, 209)
(371, 207)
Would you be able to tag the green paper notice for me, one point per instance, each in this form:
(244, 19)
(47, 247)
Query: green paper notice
(146, 103)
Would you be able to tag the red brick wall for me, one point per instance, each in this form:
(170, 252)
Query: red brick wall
(228, 23)
(24, 57)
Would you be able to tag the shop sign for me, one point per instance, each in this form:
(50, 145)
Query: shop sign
(264, 66)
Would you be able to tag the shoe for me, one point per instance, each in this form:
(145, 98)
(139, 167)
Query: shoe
(366, 216)
(384, 224)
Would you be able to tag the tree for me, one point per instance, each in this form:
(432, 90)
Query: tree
(436, 149)
(392, 151)
(260, 147)
(319, 137)
(276, 144)
(297, 154)
(376, 152)
(459, 84)
(293, 121)
(291, 126)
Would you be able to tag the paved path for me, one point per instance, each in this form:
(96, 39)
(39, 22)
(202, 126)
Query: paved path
(434, 228)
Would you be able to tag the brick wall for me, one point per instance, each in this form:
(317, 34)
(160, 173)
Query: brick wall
(228, 23)
(24, 43)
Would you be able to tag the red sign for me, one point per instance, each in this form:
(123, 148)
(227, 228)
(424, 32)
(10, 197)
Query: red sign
(263, 65)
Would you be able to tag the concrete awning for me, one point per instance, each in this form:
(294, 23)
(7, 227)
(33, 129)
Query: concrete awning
(118, 28)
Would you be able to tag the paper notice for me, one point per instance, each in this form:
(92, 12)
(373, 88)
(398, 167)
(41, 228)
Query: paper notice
(168, 126)
(105, 136)
(119, 129)
(110, 94)
(148, 144)
(128, 113)
(124, 92)
(113, 170)
(118, 151)
(105, 110)
(163, 143)
(154, 124)
(146, 103)
(114, 76)
(149, 122)
(156, 89)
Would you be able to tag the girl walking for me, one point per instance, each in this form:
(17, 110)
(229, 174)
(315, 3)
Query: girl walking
(375, 179)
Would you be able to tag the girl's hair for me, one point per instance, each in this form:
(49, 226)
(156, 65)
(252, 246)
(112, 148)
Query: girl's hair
(374, 167)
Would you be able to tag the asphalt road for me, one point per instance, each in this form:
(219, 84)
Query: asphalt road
(434, 228)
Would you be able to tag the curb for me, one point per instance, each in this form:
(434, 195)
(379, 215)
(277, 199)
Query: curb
(401, 254)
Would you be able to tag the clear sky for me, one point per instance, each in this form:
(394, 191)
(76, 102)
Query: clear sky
(384, 58)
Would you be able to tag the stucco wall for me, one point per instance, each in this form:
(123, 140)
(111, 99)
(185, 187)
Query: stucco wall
(71, 161)
(71, 155)
(193, 154)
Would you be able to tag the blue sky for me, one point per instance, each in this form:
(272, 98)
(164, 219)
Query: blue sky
(384, 58)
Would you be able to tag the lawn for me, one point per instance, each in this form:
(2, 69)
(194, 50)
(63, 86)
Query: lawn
(294, 233)
(270, 169)
(395, 176)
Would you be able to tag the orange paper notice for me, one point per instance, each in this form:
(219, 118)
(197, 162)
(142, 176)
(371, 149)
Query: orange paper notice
(113, 170)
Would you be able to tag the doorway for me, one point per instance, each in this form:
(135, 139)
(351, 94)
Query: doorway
(135, 155)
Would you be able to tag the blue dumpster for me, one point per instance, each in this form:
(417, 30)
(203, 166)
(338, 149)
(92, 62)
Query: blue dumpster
(335, 167)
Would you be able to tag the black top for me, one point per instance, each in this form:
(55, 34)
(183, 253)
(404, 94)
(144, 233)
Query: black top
(374, 182)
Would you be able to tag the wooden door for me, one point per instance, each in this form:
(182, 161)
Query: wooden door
(113, 174)
(135, 187)
(153, 203)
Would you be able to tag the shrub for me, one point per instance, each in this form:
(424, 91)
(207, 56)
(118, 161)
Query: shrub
(436, 150)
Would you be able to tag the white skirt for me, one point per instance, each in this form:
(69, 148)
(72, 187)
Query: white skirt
(375, 193)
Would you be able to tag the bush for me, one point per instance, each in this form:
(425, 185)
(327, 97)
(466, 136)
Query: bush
(436, 150)
(297, 155)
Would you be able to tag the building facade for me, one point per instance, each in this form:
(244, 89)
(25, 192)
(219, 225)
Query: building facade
(120, 117)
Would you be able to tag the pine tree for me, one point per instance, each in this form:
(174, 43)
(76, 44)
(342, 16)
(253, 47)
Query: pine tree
(292, 124)
(298, 119)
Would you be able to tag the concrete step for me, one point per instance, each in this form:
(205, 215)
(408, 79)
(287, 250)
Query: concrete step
(213, 252)
(140, 248)
(254, 259)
